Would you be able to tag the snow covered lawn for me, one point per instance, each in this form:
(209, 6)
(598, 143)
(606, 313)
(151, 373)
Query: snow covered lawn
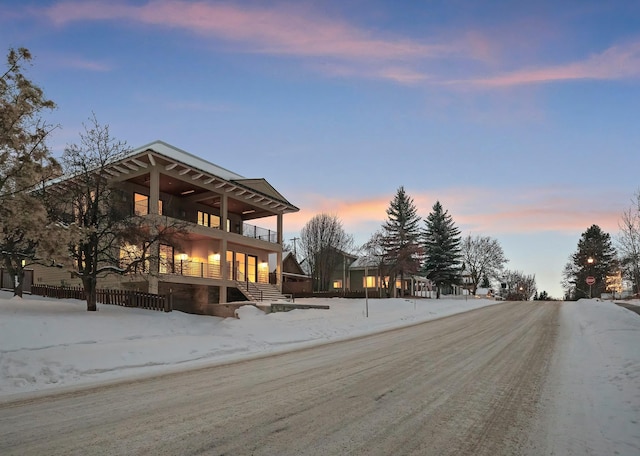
(48, 343)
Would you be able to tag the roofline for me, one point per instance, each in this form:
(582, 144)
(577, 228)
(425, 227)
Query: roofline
(197, 164)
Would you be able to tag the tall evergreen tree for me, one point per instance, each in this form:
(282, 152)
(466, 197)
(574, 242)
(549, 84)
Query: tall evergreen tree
(442, 263)
(594, 257)
(25, 161)
(401, 234)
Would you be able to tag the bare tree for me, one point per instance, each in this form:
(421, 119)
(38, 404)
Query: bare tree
(374, 251)
(90, 201)
(628, 242)
(520, 287)
(323, 241)
(482, 257)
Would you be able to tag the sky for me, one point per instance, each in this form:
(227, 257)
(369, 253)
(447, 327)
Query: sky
(519, 117)
(589, 405)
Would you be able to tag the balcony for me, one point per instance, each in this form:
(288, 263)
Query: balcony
(190, 268)
(256, 232)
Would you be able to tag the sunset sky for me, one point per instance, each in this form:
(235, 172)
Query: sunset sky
(520, 117)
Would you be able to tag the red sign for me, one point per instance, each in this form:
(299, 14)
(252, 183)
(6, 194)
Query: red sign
(590, 280)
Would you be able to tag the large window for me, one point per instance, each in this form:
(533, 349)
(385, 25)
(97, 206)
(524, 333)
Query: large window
(243, 267)
(370, 281)
(252, 268)
(140, 204)
(130, 254)
(166, 259)
(206, 219)
(230, 265)
(203, 218)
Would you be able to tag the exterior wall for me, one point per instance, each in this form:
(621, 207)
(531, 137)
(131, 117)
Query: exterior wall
(342, 273)
(293, 287)
(59, 277)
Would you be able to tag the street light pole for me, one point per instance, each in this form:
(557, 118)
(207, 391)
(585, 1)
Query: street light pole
(366, 288)
(590, 261)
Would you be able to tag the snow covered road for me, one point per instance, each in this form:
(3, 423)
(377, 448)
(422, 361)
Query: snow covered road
(465, 384)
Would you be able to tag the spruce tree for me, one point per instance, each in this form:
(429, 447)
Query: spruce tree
(442, 263)
(595, 257)
(402, 238)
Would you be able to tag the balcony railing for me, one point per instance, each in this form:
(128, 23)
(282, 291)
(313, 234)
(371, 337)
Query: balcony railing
(190, 268)
(257, 232)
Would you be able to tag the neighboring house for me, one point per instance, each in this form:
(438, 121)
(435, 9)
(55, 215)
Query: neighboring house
(363, 273)
(224, 258)
(466, 283)
(294, 279)
(340, 275)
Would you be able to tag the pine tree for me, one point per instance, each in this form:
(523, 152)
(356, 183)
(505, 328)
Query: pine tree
(401, 234)
(595, 257)
(25, 161)
(442, 264)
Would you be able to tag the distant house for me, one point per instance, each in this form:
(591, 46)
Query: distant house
(466, 283)
(340, 276)
(294, 279)
(223, 257)
(362, 273)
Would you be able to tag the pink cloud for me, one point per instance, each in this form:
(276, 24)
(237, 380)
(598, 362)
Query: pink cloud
(346, 50)
(270, 30)
(617, 62)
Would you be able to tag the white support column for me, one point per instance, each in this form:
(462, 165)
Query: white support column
(154, 196)
(224, 209)
(279, 252)
(279, 227)
(154, 190)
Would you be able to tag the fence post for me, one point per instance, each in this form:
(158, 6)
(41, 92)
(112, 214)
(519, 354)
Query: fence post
(168, 302)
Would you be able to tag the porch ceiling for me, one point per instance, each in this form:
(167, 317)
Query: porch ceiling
(184, 181)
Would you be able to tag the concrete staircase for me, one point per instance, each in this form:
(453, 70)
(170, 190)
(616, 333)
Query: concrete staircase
(260, 292)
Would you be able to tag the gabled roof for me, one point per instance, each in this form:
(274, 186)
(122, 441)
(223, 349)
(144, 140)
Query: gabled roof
(262, 186)
(180, 155)
(254, 193)
(361, 262)
(200, 167)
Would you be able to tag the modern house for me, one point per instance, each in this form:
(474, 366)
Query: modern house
(224, 255)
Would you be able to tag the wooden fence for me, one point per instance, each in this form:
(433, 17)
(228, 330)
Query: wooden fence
(126, 298)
